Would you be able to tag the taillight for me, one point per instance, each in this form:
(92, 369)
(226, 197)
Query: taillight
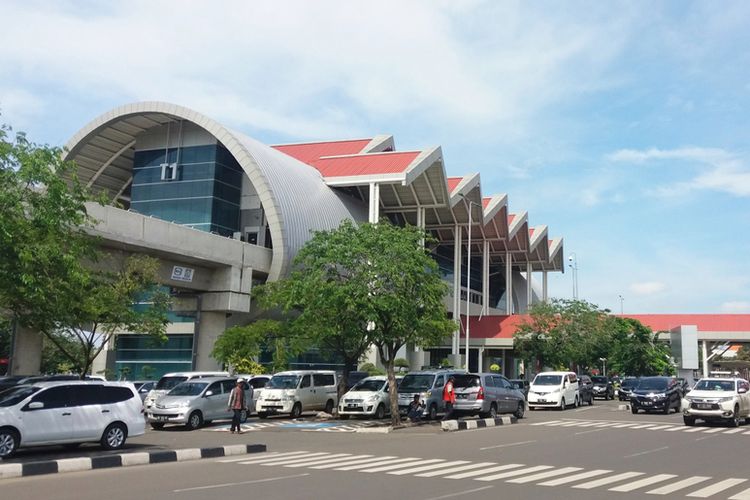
(480, 395)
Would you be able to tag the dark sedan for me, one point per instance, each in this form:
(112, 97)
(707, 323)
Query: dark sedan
(603, 387)
(656, 394)
(626, 387)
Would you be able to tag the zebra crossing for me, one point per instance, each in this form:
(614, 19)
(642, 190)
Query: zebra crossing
(304, 426)
(602, 424)
(512, 473)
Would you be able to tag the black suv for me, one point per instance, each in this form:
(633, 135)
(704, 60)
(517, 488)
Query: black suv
(656, 394)
(585, 390)
(626, 387)
(603, 387)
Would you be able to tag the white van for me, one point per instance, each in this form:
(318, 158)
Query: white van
(170, 380)
(296, 391)
(69, 413)
(554, 389)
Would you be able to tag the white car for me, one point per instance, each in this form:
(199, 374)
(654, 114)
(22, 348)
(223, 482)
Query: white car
(296, 391)
(725, 399)
(553, 389)
(369, 397)
(69, 413)
(170, 380)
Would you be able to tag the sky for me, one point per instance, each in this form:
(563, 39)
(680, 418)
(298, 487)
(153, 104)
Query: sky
(622, 126)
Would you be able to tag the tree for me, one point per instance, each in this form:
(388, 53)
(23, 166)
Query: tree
(240, 346)
(636, 350)
(51, 278)
(401, 363)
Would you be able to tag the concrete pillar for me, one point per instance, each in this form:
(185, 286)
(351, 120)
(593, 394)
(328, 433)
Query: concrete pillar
(416, 357)
(528, 286)
(456, 289)
(27, 352)
(544, 286)
(210, 326)
(486, 278)
(374, 203)
(705, 358)
(508, 283)
(480, 359)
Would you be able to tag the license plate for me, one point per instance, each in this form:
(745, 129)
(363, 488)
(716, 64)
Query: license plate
(542, 400)
(161, 418)
(704, 406)
(352, 405)
(646, 403)
(461, 396)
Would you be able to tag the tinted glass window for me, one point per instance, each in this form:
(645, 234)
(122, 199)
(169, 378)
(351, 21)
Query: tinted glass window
(466, 381)
(322, 380)
(216, 388)
(228, 385)
(503, 382)
(54, 397)
(439, 381)
(167, 383)
(370, 385)
(305, 382)
(489, 381)
(284, 382)
(188, 389)
(15, 395)
(599, 380)
(653, 384)
(116, 394)
(715, 385)
(416, 382)
(547, 380)
(84, 395)
(257, 383)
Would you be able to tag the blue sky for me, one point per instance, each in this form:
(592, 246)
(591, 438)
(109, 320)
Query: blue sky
(622, 126)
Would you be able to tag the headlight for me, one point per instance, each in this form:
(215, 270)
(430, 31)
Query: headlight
(184, 404)
(428, 394)
(725, 400)
(373, 398)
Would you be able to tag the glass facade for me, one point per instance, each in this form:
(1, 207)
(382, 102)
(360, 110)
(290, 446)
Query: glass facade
(142, 357)
(196, 186)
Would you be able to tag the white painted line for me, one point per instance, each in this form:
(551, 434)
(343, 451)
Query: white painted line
(399, 466)
(379, 462)
(694, 429)
(679, 485)
(733, 431)
(643, 482)
(291, 460)
(588, 432)
(713, 431)
(621, 426)
(660, 427)
(546, 423)
(506, 445)
(455, 469)
(643, 426)
(610, 424)
(717, 487)
(269, 456)
(479, 472)
(570, 424)
(575, 477)
(746, 433)
(588, 424)
(368, 461)
(424, 468)
(646, 452)
(680, 428)
(336, 457)
(225, 485)
(544, 475)
(232, 460)
(742, 495)
(584, 409)
(607, 480)
(514, 473)
(461, 493)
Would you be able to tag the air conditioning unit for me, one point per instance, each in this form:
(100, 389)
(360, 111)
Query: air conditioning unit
(237, 235)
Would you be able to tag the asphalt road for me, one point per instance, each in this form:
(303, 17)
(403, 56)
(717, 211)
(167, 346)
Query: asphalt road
(586, 453)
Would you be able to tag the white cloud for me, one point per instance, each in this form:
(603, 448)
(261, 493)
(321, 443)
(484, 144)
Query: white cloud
(735, 307)
(647, 287)
(19, 106)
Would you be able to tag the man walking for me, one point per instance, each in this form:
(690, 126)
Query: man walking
(237, 404)
(449, 398)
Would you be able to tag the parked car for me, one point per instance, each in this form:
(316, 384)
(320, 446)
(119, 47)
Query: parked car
(521, 385)
(256, 382)
(294, 392)
(656, 394)
(143, 387)
(626, 388)
(429, 385)
(69, 413)
(684, 385)
(170, 380)
(486, 395)
(195, 403)
(717, 399)
(354, 378)
(553, 389)
(603, 387)
(585, 390)
(369, 397)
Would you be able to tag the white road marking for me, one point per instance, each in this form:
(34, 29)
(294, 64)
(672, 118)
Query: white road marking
(514, 473)
(713, 431)
(585, 409)
(475, 473)
(607, 480)
(547, 423)
(643, 482)
(679, 485)
(660, 427)
(379, 462)
(733, 431)
(232, 460)
(575, 477)
(278, 456)
(621, 426)
(695, 429)
(643, 426)
(717, 487)
(424, 468)
(674, 429)
(544, 475)
(292, 460)
(393, 467)
(456, 469)
(461, 493)
(506, 445)
(588, 432)
(646, 452)
(339, 458)
(742, 495)
(226, 485)
(366, 461)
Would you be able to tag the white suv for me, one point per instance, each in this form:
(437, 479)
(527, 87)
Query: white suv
(370, 397)
(69, 413)
(724, 399)
(555, 389)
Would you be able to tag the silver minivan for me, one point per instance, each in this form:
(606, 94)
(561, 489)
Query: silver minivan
(195, 403)
(486, 395)
(170, 380)
(429, 385)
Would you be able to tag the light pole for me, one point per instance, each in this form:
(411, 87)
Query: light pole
(573, 259)
(622, 299)
(604, 366)
(469, 203)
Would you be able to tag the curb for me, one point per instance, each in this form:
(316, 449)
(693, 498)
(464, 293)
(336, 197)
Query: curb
(8, 471)
(623, 407)
(480, 423)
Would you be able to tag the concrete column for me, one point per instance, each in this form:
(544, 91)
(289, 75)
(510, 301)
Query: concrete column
(528, 286)
(705, 359)
(544, 286)
(27, 352)
(486, 278)
(480, 359)
(456, 287)
(421, 221)
(374, 203)
(508, 283)
(210, 326)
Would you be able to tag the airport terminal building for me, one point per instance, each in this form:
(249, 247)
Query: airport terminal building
(224, 212)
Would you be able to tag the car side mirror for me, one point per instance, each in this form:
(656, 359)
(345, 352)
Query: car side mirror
(209, 393)
(742, 390)
(36, 405)
(143, 391)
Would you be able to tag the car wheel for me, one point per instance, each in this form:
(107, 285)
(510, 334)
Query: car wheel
(432, 415)
(493, 411)
(262, 415)
(380, 412)
(562, 404)
(633, 410)
(9, 441)
(195, 420)
(157, 426)
(689, 421)
(667, 407)
(296, 410)
(735, 420)
(243, 416)
(329, 407)
(114, 436)
(520, 410)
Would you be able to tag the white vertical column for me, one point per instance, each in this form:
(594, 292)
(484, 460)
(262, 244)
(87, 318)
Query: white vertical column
(544, 286)
(457, 242)
(508, 284)
(528, 286)
(421, 221)
(486, 277)
(374, 203)
(705, 359)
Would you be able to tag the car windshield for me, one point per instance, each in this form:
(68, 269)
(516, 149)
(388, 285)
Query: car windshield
(652, 384)
(629, 383)
(283, 382)
(518, 384)
(599, 380)
(462, 381)
(369, 385)
(167, 383)
(15, 395)
(188, 389)
(416, 382)
(547, 380)
(714, 385)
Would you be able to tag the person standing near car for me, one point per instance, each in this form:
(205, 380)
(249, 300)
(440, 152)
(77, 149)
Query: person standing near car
(237, 404)
(449, 397)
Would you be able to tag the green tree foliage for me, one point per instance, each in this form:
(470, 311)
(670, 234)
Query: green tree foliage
(402, 364)
(239, 346)
(371, 369)
(636, 350)
(743, 354)
(51, 278)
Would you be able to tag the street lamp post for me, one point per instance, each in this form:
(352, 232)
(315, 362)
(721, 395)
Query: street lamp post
(468, 281)
(604, 366)
(573, 259)
(622, 299)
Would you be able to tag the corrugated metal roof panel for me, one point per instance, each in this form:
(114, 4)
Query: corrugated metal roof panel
(312, 151)
(369, 164)
(704, 322)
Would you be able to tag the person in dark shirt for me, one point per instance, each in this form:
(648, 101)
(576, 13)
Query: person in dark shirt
(416, 408)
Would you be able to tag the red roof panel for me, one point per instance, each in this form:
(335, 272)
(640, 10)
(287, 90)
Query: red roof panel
(500, 327)
(312, 151)
(510, 218)
(369, 164)
(486, 202)
(453, 182)
(704, 322)
(531, 233)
